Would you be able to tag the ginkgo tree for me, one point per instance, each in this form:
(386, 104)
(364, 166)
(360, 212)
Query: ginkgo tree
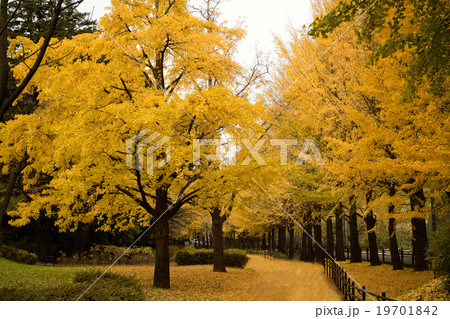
(146, 68)
(377, 144)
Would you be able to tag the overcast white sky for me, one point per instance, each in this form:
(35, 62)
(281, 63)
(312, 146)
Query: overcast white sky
(262, 19)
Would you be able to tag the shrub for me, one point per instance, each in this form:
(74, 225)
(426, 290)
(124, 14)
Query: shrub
(233, 257)
(111, 287)
(107, 254)
(18, 255)
(439, 253)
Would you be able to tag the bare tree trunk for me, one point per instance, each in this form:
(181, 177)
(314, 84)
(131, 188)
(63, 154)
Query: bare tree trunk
(281, 238)
(13, 176)
(373, 247)
(263, 244)
(307, 249)
(273, 239)
(370, 225)
(419, 232)
(291, 241)
(217, 230)
(318, 239)
(355, 248)
(340, 255)
(396, 261)
(162, 271)
(4, 66)
(330, 237)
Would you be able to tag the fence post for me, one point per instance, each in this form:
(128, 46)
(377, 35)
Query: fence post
(349, 297)
(367, 253)
(353, 291)
(382, 253)
(364, 293)
(345, 286)
(340, 278)
(401, 254)
(383, 294)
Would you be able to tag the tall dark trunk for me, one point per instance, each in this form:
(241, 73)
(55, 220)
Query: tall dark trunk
(162, 272)
(330, 237)
(13, 176)
(419, 231)
(396, 261)
(43, 236)
(281, 238)
(318, 242)
(340, 255)
(355, 248)
(273, 239)
(217, 230)
(393, 245)
(291, 242)
(269, 240)
(263, 243)
(433, 214)
(307, 250)
(82, 240)
(373, 247)
(4, 66)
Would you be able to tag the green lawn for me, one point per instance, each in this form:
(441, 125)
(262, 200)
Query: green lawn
(30, 282)
(16, 275)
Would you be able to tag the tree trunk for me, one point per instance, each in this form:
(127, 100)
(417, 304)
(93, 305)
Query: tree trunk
(217, 230)
(291, 242)
(263, 244)
(281, 238)
(396, 261)
(419, 231)
(370, 225)
(273, 239)
(355, 248)
(162, 272)
(433, 214)
(14, 175)
(307, 250)
(4, 66)
(373, 247)
(318, 242)
(340, 255)
(269, 240)
(330, 237)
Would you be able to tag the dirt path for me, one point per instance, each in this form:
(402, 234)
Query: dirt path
(291, 281)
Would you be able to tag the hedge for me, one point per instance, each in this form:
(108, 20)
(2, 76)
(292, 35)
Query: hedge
(107, 254)
(18, 255)
(111, 287)
(233, 257)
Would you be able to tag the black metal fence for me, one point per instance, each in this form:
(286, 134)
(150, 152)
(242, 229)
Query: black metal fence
(347, 286)
(406, 256)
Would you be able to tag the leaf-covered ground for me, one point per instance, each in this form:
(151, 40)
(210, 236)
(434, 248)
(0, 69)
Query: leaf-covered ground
(261, 279)
(432, 291)
(382, 278)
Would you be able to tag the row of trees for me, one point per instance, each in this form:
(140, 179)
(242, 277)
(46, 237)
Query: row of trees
(167, 67)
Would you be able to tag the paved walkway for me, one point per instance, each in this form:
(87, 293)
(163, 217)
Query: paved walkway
(280, 280)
